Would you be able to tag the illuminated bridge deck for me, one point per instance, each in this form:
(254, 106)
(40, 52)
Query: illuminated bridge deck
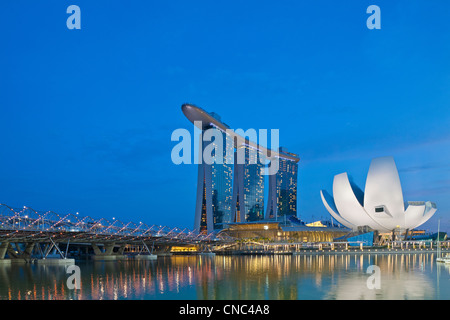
(28, 225)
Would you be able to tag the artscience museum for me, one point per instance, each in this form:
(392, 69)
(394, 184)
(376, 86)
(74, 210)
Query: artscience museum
(381, 206)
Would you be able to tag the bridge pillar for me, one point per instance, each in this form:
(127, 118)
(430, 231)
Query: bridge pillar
(108, 254)
(96, 249)
(11, 252)
(109, 248)
(121, 249)
(3, 248)
(46, 260)
(17, 254)
(28, 250)
(147, 253)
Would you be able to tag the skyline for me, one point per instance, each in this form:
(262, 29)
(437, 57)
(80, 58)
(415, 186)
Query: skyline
(88, 114)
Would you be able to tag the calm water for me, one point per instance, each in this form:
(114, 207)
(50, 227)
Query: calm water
(402, 276)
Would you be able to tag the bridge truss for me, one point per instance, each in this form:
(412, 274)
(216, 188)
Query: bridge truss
(27, 225)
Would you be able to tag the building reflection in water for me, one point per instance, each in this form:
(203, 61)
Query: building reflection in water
(279, 277)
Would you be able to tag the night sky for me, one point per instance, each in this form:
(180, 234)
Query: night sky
(87, 115)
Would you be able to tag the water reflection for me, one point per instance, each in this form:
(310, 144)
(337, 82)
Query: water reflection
(403, 276)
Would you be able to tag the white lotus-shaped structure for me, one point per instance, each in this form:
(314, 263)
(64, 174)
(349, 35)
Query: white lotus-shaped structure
(381, 206)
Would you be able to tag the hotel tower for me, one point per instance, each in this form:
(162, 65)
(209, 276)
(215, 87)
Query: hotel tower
(234, 192)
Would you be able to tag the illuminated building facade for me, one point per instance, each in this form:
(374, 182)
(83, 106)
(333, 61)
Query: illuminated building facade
(282, 202)
(214, 189)
(278, 231)
(222, 186)
(248, 189)
(229, 193)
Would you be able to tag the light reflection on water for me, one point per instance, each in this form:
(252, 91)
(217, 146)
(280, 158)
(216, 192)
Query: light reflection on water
(341, 276)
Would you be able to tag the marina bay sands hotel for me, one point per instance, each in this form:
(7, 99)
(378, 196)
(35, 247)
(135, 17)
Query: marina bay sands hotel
(230, 193)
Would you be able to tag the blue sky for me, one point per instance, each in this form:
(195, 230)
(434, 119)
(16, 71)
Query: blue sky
(87, 115)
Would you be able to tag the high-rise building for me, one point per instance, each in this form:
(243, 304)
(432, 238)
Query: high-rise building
(222, 187)
(214, 186)
(248, 188)
(282, 202)
(234, 192)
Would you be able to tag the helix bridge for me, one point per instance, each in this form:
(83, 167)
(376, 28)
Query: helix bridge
(29, 227)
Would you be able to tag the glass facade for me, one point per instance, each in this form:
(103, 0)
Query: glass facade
(283, 189)
(253, 186)
(219, 176)
(286, 181)
(222, 186)
(249, 185)
(203, 226)
(230, 185)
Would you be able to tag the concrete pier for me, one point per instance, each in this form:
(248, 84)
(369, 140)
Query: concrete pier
(54, 261)
(207, 254)
(164, 254)
(5, 262)
(364, 251)
(112, 257)
(146, 257)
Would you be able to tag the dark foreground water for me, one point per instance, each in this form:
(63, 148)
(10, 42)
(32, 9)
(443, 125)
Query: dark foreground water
(343, 276)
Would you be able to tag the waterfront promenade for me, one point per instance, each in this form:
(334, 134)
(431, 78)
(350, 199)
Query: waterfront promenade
(27, 235)
(395, 247)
